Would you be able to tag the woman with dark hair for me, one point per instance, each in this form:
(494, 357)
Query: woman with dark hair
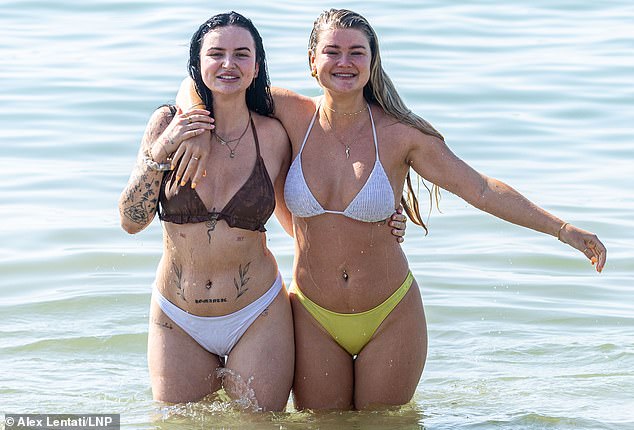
(218, 301)
(360, 330)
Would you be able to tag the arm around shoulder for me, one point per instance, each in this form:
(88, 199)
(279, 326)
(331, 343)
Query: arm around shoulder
(138, 202)
(282, 151)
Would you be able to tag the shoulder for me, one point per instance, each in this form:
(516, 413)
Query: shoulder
(158, 122)
(408, 134)
(292, 108)
(270, 131)
(161, 117)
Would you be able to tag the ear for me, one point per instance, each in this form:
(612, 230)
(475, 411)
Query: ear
(311, 62)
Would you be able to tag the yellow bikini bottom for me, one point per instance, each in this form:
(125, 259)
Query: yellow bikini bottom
(353, 331)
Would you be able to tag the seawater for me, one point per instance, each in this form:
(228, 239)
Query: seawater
(523, 334)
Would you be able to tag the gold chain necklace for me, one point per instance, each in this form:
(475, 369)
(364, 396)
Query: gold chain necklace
(225, 142)
(346, 113)
(345, 145)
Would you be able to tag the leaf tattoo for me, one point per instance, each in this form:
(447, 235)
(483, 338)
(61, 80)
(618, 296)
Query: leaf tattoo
(241, 286)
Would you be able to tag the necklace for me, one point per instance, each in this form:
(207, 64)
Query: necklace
(346, 113)
(225, 142)
(345, 145)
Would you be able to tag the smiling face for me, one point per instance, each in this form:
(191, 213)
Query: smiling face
(342, 60)
(228, 60)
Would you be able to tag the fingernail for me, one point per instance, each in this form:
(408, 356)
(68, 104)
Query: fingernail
(193, 185)
(182, 183)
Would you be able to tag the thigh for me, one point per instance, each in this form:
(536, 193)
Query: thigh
(260, 367)
(180, 369)
(388, 369)
(323, 370)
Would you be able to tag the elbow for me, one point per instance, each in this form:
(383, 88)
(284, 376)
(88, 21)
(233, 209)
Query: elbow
(480, 194)
(129, 227)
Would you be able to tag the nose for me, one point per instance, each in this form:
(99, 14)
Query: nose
(227, 62)
(345, 60)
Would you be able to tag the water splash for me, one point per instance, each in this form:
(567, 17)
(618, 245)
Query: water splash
(242, 392)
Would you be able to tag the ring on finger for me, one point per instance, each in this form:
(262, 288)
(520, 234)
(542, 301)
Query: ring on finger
(189, 120)
(198, 158)
(584, 249)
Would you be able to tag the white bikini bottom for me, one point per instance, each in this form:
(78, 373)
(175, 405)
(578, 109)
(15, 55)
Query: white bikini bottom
(220, 334)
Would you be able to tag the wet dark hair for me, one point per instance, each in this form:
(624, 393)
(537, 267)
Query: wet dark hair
(258, 96)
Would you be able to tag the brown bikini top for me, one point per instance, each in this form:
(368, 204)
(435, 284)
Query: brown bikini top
(249, 208)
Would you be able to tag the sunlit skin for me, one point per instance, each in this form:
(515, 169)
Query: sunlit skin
(342, 62)
(202, 262)
(227, 61)
(348, 266)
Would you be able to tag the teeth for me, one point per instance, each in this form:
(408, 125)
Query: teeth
(344, 75)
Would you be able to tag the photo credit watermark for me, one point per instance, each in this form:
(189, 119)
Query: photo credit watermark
(62, 421)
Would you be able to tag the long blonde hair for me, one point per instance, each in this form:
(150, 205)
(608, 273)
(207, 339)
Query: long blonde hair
(382, 91)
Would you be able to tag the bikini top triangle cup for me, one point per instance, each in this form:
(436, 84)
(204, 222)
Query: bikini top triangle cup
(373, 203)
(249, 208)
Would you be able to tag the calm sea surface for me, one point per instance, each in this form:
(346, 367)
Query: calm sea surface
(523, 333)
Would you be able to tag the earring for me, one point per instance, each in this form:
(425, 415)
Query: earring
(314, 73)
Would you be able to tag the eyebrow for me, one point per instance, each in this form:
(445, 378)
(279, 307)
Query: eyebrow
(352, 47)
(217, 48)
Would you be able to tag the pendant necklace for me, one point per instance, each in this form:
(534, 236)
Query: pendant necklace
(345, 145)
(227, 143)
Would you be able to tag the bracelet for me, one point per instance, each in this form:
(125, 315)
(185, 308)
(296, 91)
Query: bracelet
(560, 229)
(156, 166)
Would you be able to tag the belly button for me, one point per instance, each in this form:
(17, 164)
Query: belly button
(345, 276)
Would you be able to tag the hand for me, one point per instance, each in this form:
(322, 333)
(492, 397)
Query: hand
(586, 242)
(398, 222)
(191, 133)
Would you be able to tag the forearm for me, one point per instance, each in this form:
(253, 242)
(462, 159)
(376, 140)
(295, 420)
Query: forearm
(187, 97)
(138, 202)
(502, 201)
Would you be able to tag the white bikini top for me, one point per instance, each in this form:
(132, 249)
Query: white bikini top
(373, 203)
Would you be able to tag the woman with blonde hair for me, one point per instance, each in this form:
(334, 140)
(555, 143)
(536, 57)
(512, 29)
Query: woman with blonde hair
(360, 330)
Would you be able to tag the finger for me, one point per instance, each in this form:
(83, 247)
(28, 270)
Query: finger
(398, 233)
(602, 258)
(397, 225)
(200, 172)
(180, 161)
(200, 117)
(190, 170)
(176, 158)
(399, 217)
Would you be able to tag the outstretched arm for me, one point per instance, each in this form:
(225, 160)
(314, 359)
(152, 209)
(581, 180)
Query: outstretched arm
(432, 159)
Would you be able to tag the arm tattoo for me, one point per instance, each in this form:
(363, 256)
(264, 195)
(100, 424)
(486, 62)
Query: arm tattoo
(136, 213)
(241, 286)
